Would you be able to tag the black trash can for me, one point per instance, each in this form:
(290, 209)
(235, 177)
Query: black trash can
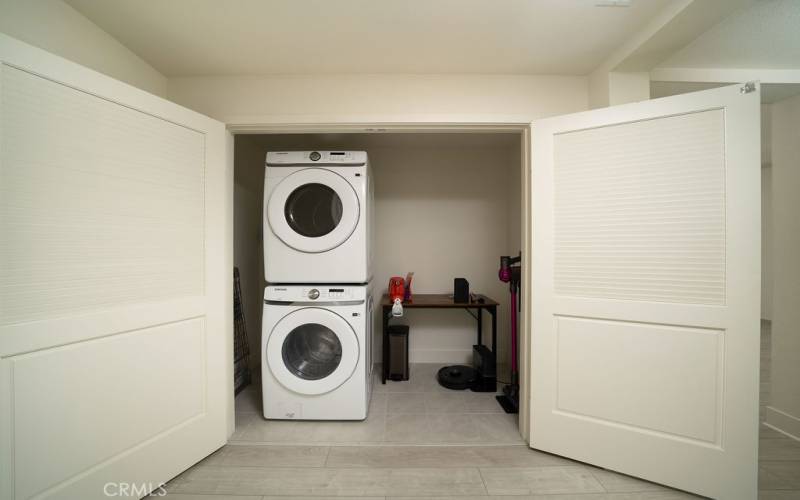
(398, 352)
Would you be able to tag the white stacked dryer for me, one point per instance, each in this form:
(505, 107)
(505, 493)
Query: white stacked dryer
(317, 318)
(318, 217)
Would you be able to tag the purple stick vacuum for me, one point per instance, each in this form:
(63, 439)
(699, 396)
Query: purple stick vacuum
(510, 273)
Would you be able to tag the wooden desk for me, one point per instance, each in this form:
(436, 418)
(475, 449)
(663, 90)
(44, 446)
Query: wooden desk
(439, 301)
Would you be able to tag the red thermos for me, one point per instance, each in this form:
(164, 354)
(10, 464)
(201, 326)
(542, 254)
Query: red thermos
(397, 288)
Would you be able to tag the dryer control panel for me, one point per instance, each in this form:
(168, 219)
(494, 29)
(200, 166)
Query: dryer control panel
(315, 293)
(290, 158)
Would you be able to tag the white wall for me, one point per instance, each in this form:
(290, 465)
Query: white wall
(766, 212)
(609, 88)
(628, 87)
(598, 89)
(248, 195)
(58, 28)
(766, 243)
(457, 209)
(453, 197)
(784, 409)
(231, 99)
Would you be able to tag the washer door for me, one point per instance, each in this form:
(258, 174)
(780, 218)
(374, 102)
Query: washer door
(313, 210)
(312, 351)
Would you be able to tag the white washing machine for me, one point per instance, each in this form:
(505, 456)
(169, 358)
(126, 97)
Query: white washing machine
(316, 352)
(318, 217)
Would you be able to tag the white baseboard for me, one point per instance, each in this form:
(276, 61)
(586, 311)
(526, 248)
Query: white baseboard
(782, 422)
(445, 356)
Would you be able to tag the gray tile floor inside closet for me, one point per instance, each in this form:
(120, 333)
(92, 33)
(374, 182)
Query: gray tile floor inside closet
(423, 441)
(417, 411)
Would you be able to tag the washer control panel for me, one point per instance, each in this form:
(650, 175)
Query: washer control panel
(325, 294)
(314, 293)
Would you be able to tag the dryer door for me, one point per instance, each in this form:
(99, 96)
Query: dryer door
(313, 210)
(312, 351)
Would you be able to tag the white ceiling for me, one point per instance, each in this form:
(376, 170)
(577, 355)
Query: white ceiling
(241, 37)
(765, 35)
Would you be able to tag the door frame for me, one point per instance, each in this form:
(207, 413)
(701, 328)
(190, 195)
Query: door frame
(377, 124)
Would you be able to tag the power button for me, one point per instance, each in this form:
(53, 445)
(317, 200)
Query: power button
(314, 156)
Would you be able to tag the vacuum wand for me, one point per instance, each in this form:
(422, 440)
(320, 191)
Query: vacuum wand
(510, 272)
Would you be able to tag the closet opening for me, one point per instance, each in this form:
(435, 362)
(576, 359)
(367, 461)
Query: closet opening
(447, 204)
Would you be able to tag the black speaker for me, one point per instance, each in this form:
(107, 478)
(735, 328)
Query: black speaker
(398, 352)
(460, 291)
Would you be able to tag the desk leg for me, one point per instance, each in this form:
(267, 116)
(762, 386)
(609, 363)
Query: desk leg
(385, 313)
(493, 312)
(480, 326)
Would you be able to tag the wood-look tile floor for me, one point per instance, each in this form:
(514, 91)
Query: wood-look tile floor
(424, 442)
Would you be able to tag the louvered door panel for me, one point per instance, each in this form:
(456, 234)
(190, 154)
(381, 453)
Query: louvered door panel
(640, 210)
(109, 211)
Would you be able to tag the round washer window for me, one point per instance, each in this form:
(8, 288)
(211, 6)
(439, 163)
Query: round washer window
(313, 210)
(312, 351)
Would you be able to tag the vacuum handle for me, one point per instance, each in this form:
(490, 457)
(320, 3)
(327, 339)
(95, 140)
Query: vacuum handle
(506, 261)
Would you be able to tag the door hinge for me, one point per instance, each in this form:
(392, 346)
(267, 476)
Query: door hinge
(748, 87)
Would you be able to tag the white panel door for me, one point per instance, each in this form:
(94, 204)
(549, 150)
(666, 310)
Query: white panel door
(646, 285)
(115, 283)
